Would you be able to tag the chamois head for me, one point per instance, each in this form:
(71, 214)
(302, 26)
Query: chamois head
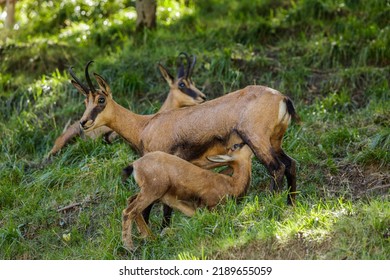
(96, 99)
(235, 153)
(182, 87)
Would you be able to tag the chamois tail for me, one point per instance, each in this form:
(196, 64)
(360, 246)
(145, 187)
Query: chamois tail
(291, 110)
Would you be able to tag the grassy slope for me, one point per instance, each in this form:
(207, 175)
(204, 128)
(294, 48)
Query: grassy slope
(332, 58)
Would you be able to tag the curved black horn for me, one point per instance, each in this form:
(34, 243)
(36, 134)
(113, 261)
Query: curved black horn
(192, 66)
(180, 70)
(188, 64)
(85, 89)
(92, 88)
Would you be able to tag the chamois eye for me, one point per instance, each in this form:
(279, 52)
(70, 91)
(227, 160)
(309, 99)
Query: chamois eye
(236, 146)
(182, 85)
(101, 100)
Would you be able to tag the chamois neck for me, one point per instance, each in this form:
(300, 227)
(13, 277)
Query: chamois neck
(168, 104)
(241, 177)
(127, 124)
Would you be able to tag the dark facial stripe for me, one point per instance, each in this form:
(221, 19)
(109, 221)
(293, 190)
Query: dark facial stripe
(189, 92)
(96, 111)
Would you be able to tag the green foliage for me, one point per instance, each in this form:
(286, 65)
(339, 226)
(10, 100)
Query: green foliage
(331, 57)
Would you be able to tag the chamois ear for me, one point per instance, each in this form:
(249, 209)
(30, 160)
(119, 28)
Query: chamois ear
(220, 158)
(103, 84)
(164, 72)
(79, 88)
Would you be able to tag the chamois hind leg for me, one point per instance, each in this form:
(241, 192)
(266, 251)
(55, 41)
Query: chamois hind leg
(291, 176)
(143, 227)
(126, 172)
(139, 220)
(264, 152)
(133, 212)
(127, 223)
(290, 171)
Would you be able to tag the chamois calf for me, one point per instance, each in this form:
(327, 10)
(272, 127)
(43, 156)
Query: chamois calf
(183, 185)
(181, 94)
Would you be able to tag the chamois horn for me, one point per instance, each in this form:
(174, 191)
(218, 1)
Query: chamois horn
(192, 67)
(187, 72)
(88, 78)
(85, 89)
(180, 70)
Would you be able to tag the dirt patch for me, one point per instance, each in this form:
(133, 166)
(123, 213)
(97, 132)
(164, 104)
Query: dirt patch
(356, 182)
(297, 248)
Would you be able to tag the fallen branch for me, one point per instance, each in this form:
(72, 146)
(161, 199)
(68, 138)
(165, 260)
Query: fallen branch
(69, 207)
(87, 200)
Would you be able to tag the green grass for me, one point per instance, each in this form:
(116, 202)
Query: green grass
(331, 57)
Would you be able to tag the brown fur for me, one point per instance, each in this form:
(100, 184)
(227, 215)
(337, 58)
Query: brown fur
(182, 185)
(175, 99)
(258, 115)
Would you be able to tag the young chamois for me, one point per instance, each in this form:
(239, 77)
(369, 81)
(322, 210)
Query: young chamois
(183, 185)
(179, 96)
(257, 114)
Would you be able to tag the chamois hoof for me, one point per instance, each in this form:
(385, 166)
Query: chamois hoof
(166, 231)
(128, 245)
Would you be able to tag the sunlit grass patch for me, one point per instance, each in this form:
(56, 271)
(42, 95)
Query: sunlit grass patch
(313, 222)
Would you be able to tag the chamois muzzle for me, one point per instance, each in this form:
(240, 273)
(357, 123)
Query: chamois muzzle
(82, 123)
(86, 124)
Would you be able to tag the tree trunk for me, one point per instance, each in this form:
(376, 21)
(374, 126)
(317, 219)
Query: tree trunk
(146, 14)
(10, 9)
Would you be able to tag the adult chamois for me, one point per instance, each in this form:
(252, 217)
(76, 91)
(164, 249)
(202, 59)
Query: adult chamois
(179, 96)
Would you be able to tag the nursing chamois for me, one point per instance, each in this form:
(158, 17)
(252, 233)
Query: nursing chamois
(257, 114)
(183, 185)
(179, 96)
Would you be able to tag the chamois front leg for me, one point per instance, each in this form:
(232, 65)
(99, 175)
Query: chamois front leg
(110, 136)
(185, 208)
(167, 216)
(69, 133)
